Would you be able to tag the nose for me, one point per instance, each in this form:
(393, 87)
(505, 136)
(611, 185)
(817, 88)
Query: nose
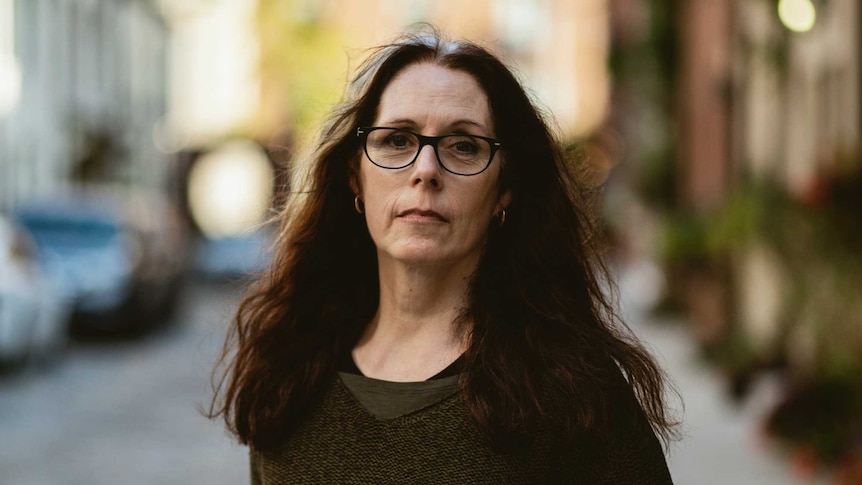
(426, 169)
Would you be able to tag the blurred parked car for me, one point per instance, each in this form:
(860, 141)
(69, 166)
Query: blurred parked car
(111, 253)
(33, 319)
(164, 257)
(234, 258)
(85, 251)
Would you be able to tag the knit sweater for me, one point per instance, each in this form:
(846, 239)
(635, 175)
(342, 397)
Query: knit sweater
(340, 442)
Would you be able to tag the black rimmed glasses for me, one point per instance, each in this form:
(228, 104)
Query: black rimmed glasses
(394, 148)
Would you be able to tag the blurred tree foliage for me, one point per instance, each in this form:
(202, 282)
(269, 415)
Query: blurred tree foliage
(816, 236)
(302, 63)
(822, 418)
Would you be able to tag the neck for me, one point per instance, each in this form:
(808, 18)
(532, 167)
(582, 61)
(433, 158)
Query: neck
(415, 332)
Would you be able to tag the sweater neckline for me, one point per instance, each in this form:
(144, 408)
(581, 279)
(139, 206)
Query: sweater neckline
(348, 365)
(421, 413)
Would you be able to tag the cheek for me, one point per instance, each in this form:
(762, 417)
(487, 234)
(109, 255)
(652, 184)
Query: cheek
(378, 194)
(480, 205)
(361, 174)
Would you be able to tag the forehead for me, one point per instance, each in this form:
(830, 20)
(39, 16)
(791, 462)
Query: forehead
(429, 95)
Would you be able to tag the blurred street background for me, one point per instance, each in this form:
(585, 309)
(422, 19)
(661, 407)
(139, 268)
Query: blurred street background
(145, 143)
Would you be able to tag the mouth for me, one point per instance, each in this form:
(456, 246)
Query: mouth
(418, 214)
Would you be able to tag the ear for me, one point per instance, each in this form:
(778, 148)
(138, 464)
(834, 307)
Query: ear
(354, 184)
(504, 201)
(353, 177)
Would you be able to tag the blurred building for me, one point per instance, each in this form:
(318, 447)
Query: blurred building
(759, 97)
(769, 159)
(83, 83)
(213, 72)
(771, 91)
(798, 113)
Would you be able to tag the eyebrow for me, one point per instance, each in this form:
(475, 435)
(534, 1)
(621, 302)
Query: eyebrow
(462, 121)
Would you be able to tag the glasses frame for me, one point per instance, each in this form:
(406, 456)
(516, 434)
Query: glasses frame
(363, 131)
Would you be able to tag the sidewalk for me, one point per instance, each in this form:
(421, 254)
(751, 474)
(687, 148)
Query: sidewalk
(721, 440)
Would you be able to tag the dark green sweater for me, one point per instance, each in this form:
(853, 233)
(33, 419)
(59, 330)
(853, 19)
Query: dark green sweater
(342, 443)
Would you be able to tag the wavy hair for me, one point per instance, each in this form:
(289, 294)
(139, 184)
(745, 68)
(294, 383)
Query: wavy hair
(539, 317)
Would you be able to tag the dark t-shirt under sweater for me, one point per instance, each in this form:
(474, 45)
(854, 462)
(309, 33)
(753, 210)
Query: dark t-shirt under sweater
(387, 400)
(341, 442)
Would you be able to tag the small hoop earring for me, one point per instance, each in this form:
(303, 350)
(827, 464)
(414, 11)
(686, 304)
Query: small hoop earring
(357, 204)
(502, 217)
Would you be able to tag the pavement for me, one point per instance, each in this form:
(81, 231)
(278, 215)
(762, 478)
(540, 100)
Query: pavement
(127, 412)
(722, 442)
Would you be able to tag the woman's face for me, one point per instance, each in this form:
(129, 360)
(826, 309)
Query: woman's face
(422, 214)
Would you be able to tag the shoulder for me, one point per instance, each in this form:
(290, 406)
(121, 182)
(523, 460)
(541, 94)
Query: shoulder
(619, 444)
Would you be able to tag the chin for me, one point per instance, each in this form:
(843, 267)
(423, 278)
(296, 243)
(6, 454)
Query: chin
(430, 254)
(420, 255)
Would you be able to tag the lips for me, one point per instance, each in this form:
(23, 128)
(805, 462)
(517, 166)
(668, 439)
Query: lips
(419, 213)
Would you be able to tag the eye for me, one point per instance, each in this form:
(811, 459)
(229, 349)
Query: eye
(465, 146)
(398, 140)
(462, 146)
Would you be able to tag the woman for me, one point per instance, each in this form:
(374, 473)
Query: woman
(434, 312)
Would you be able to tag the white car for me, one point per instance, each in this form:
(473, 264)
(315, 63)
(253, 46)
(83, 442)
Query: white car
(33, 319)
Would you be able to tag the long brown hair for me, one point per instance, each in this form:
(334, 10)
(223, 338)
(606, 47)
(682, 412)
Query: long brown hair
(540, 317)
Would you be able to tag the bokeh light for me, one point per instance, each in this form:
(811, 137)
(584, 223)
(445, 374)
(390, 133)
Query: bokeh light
(797, 15)
(10, 84)
(10, 69)
(230, 189)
